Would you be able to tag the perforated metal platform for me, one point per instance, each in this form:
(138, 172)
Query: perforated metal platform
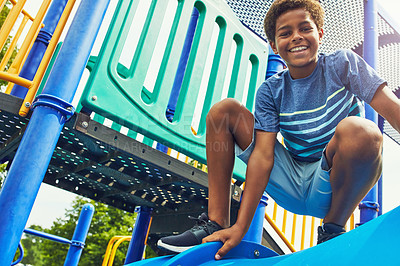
(97, 162)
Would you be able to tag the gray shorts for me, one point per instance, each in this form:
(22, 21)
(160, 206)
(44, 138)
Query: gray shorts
(299, 187)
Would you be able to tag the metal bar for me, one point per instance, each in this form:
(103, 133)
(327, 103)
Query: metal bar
(47, 236)
(30, 164)
(13, 44)
(114, 249)
(27, 44)
(39, 47)
(280, 234)
(139, 235)
(47, 54)
(254, 234)
(15, 79)
(294, 228)
(10, 21)
(79, 237)
(369, 205)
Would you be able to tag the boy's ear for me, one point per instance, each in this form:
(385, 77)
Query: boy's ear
(273, 46)
(321, 34)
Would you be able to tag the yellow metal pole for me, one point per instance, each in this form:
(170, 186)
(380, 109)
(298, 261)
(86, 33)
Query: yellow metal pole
(303, 232)
(10, 21)
(284, 221)
(275, 211)
(15, 79)
(2, 4)
(9, 88)
(23, 11)
(108, 250)
(10, 49)
(280, 234)
(114, 249)
(28, 42)
(312, 231)
(352, 223)
(294, 228)
(46, 58)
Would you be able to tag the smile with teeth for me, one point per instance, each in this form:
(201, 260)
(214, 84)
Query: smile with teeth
(297, 49)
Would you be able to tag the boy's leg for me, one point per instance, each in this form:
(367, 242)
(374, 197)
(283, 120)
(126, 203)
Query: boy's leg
(355, 155)
(228, 122)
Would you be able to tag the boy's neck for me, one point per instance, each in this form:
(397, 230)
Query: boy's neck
(302, 72)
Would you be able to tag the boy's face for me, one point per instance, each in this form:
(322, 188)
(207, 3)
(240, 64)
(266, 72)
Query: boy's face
(297, 40)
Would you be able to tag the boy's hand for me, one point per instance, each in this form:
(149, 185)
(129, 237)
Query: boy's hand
(230, 238)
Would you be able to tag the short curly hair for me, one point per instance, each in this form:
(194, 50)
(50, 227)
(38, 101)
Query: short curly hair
(279, 7)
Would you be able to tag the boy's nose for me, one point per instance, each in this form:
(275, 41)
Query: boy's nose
(296, 36)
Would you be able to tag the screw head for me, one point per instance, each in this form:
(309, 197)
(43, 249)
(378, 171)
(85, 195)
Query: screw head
(256, 253)
(27, 104)
(85, 124)
(94, 98)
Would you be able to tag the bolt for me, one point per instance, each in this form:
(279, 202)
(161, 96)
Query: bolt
(69, 108)
(27, 104)
(236, 193)
(256, 253)
(85, 124)
(94, 98)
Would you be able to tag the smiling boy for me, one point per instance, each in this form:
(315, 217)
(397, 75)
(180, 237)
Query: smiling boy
(332, 156)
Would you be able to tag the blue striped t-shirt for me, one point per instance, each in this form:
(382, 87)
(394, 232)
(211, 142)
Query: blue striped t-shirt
(306, 111)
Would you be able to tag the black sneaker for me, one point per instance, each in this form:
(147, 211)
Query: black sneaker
(190, 238)
(328, 231)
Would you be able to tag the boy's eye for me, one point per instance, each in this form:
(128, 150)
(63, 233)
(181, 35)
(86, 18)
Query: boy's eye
(284, 34)
(306, 29)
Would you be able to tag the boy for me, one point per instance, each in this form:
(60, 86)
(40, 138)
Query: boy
(332, 156)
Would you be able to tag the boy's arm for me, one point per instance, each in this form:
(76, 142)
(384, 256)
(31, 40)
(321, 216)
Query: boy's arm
(387, 105)
(258, 171)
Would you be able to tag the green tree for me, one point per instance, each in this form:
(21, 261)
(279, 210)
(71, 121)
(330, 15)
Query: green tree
(106, 223)
(3, 173)
(32, 246)
(3, 15)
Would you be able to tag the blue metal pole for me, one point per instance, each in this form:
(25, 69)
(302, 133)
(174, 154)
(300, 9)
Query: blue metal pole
(176, 87)
(59, 239)
(275, 64)
(40, 45)
(369, 205)
(139, 234)
(255, 232)
(79, 237)
(180, 73)
(34, 153)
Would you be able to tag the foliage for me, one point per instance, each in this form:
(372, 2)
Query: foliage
(106, 223)
(198, 165)
(3, 15)
(32, 246)
(3, 173)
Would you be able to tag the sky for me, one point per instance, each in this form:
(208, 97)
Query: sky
(51, 202)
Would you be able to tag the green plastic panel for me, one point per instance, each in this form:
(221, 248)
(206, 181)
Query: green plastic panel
(119, 93)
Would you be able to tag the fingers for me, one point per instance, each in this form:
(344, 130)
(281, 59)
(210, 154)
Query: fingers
(213, 238)
(224, 250)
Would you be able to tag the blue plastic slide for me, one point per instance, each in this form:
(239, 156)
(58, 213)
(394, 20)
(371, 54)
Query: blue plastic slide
(374, 243)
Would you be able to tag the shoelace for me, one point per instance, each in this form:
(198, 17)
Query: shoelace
(200, 223)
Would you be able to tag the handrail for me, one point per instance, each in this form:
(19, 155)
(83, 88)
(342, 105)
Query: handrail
(112, 249)
(279, 232)
(16, 66)
(46, 59)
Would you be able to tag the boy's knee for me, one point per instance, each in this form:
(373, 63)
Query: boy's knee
(360, 136)
(223, 109)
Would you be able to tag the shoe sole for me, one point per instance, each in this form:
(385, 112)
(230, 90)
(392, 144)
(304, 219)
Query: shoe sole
(175, 249)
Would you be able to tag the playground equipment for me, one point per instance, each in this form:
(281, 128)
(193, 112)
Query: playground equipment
(220, 58)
